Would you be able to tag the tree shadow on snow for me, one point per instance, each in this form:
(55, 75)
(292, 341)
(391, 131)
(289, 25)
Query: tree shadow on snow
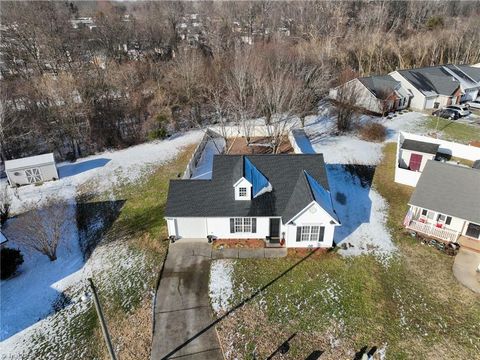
(350, 187)
(80, 167)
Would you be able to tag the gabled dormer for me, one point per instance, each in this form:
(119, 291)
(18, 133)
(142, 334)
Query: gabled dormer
(243, 189)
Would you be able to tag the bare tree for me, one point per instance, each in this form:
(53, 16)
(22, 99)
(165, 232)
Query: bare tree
(345, 101)
(44, 227)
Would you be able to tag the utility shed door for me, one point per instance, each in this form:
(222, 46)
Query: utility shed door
(191, 228)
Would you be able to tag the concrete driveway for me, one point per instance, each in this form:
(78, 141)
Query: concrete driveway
(465, 269)
(182, 309)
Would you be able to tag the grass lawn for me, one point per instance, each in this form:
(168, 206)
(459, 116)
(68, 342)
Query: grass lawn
(126, 230)
(453, 130)
(409, 307)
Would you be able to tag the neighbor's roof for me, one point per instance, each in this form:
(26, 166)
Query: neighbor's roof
(290, 193)
(465, 80)
(472, 71)
(449, 189)
(431, 80)
(29, 161)
(420, 146)
(3, 238)
(381, 86)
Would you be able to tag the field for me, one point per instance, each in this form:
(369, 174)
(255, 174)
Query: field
(405, 306)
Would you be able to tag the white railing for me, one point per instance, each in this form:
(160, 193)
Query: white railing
(432, 230)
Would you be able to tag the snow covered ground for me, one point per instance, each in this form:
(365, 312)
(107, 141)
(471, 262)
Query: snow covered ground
(26, 313)
(221, 286)
(106, 169)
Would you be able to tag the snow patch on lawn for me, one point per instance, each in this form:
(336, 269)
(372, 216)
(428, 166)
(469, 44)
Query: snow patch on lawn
(221, 285)
(362, 212)
(29, 295)
(106, 169)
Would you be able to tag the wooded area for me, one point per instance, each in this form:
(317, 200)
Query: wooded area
(84, 76)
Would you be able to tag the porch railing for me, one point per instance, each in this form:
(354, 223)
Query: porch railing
(432, 230)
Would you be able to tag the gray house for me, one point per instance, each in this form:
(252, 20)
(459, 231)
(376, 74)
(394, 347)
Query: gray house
(446, 204)
(281, 199)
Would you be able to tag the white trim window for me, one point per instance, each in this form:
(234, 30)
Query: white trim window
(243, 225)
(310, 233)
(242, 192)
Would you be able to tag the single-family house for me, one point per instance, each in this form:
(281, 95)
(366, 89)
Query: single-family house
(414, 154)
(377, 94)
(431, 87)
(281, 199)
(31, 170)
(469, 79)
(446, 204)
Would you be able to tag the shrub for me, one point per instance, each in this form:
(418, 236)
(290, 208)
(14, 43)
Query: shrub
(10, 260)
(435, 22)
(373, 131)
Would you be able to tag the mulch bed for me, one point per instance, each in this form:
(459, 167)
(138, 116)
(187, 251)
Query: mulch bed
(238, 243)
(240, 146)
(302, 252)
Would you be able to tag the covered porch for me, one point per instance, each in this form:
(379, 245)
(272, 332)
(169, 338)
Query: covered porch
(431, 230)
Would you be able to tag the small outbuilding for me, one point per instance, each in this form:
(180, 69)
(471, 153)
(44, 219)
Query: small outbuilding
(415, 154)
(31, 170)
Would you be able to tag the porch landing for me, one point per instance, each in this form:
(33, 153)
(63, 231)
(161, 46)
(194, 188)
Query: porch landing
(469, 243)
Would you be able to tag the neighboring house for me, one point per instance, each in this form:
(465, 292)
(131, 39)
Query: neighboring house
(277, 198)
(445, 204)
(469, 79)
(431, 87)
(378, 94)
(31, 170)
(3, 240)
(413, 152)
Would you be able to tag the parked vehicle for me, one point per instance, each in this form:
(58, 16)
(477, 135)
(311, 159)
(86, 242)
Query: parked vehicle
(475, 104)
(463, 109)
(447, 114)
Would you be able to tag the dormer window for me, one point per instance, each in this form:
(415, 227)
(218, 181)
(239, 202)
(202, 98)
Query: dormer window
(242, 192)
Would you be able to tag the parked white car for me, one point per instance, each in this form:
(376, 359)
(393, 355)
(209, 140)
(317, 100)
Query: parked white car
(475, 104)
(463, 109)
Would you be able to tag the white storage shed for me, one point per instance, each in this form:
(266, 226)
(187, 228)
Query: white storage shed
(31, 170)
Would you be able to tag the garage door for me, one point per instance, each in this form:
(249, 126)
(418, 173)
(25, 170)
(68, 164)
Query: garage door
(191, 228)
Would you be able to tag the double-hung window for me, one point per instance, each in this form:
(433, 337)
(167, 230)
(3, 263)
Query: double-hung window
(310, 233)
(243, 225)
(242, 192)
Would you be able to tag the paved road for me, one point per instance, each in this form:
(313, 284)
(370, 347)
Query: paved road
(464, 269)
(182, 308)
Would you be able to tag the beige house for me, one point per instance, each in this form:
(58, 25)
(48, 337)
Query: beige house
(31, 170)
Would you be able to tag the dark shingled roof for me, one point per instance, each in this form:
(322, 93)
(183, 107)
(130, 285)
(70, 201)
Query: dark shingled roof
(449, 189)
(380, 86)
(472, 71)
(216, 198)
(420, 146)
(434, 79)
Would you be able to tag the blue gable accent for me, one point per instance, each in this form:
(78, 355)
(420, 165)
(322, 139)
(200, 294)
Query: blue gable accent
(260, 183)
(321, 196)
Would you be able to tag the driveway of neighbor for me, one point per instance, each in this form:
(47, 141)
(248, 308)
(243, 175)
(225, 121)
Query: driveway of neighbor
(182, 308)
(465, 269)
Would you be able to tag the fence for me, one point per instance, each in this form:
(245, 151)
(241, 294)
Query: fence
(408, 177)
(192, 164)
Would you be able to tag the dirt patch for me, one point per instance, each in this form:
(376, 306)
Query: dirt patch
(258, 145)
(302, 252)
(238, 243)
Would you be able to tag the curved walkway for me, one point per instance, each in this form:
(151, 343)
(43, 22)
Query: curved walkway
(465, 269)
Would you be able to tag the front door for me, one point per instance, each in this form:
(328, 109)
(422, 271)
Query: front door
(274, 230)
(473, 230)
(415, 162)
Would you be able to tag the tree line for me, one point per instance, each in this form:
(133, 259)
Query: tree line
(145, 70)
